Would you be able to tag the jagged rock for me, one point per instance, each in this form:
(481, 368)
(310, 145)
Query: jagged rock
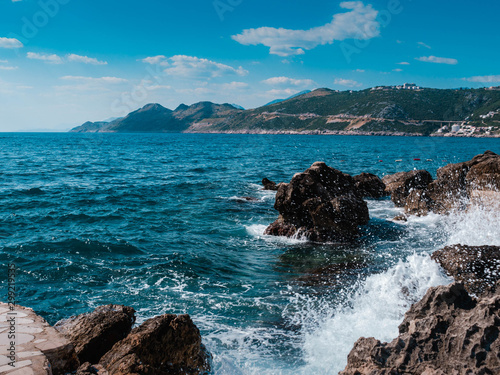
(478, 267)
(93, 334)
(269, 185)
(89, 369)
(321, 204)
(164, 345)
(457, 186)
(370, 185)
(447, 332)
(401, 184)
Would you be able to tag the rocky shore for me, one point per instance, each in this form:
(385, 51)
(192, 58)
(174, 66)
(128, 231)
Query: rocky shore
(453, 329)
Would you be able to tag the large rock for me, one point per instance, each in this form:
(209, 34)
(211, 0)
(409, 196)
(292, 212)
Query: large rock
(457, 186)
(164, 345)
(95, 333)
(401, 184)
(370, 185)
(477, 267)
(447, 332)
(321, 204)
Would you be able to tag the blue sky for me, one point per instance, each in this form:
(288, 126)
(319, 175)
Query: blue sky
(63, 62)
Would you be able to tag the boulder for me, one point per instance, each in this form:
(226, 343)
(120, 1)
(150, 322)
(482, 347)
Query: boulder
(164, 345)
(269, 185)
(93, 334)
(401, 184)
(477, 267)
(447, 332)
(89, 369)
(457, 187)
(321, 204)
(370, 185)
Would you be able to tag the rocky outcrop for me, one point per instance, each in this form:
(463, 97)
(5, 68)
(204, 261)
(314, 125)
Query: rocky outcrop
(269, 185)
(89, 369)
(95, 333)
(164, 345)
(401, 184)
(477, 267)
(457, 186)
(447, 332)
(370, 185)
(321, 204)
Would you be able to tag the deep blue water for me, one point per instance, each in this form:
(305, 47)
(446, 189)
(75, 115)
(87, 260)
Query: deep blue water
(158, 222)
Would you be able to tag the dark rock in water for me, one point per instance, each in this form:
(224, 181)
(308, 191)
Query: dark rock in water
(401, 184)
(370, 185)
(457, 186)
(93, 334)
(477, 267)
(269, 185)
(447, 332)
(167, 344)
(250, 199)
(34, 191)
(321, 204)
(331, 274)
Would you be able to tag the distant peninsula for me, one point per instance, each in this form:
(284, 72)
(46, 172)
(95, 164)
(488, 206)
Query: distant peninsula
(385, 110)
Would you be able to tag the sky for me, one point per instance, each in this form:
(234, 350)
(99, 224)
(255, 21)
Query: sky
(64, 62)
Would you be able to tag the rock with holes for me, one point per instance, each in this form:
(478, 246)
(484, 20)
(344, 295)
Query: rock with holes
(447, 332)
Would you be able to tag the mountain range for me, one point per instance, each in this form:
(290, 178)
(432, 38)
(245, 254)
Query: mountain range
(371, 111)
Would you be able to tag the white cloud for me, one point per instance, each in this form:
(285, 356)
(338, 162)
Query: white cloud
(4, 61)
(359, 23)
(483, 79)
(158, 87)
(191, 66)
(422, 44)
(397, 70)
(85, 59)
(403, 63)
(110, 80)
(234, 85)
(156, 60)
(10, 43)
(359, 70)
(3, 67)
(346, 82)
(288, 81)
(281, 93)
(438, 60)
(49, 58)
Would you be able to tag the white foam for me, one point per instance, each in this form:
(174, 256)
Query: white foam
(257, 230)
(375, 310)
(475, 227)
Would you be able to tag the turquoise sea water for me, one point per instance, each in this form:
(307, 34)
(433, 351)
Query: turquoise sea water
(160, 222)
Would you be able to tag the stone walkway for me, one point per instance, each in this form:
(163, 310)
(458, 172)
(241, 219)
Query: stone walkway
(39, 349)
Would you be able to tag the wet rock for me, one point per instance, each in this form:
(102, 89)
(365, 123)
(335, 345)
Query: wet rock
(457, 187)
(370, 185)
(447, 332)
(269, 185)
(321, 204)
(401, 184)
(477, 267)
(88, 369)
(93, 334)
(164, 345)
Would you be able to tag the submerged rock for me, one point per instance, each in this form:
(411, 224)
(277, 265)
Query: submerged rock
(164, 345)
(321, 204)
(370, 185)
(447, 332)
(269, 185)
(93, 334)
(477, 267)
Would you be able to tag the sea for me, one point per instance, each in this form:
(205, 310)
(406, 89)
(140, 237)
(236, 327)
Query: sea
(174, 223)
